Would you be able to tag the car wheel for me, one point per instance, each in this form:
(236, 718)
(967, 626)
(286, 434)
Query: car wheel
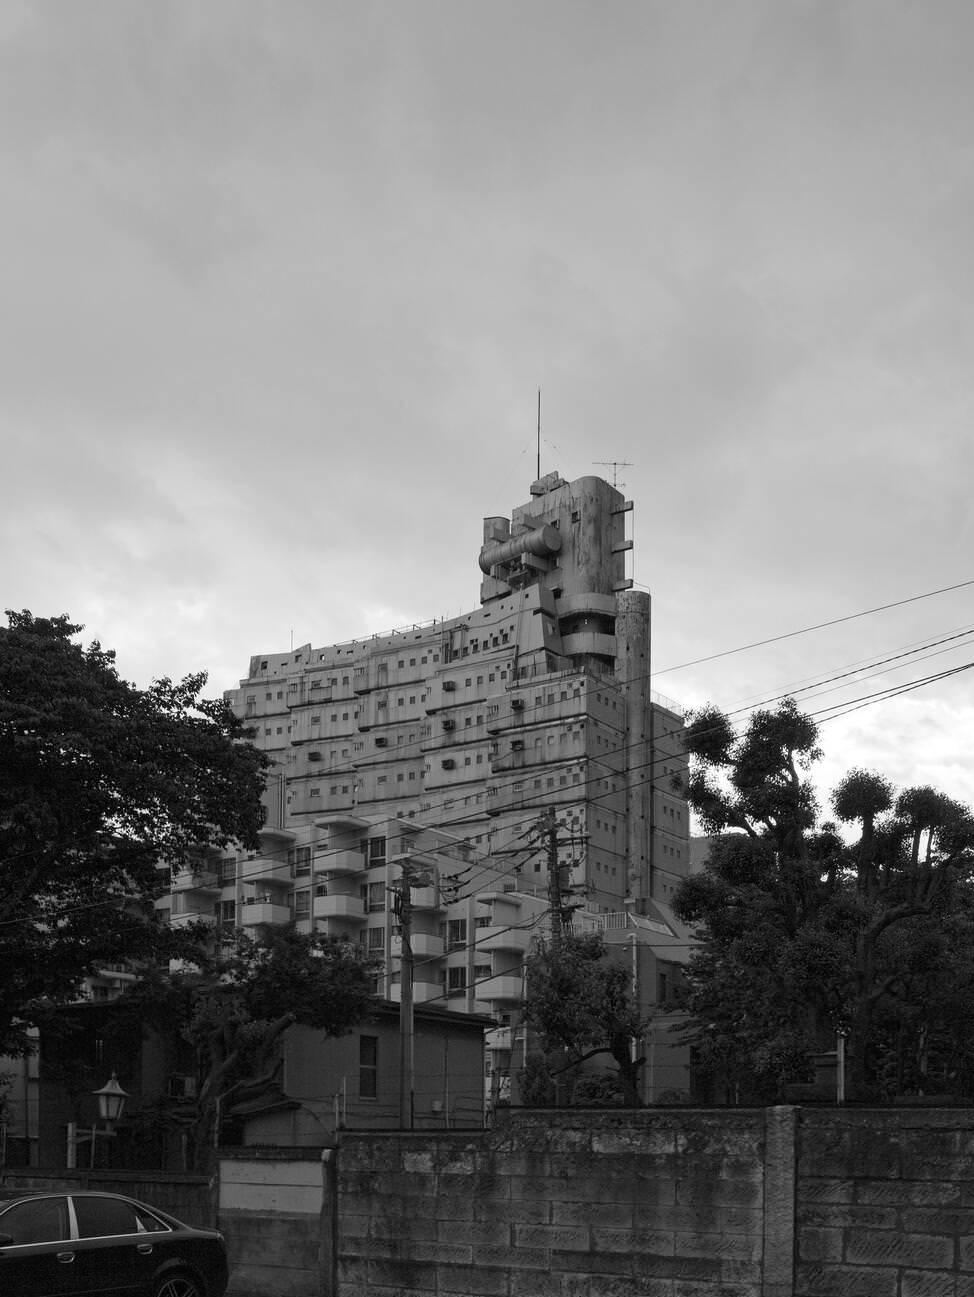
(178, 1285)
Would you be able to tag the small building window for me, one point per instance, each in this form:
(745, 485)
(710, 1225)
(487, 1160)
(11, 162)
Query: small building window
(368, 1067)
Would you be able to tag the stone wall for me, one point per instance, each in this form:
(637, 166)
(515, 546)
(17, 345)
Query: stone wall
(781, 1202)
(885, 1203)
(653, 1203)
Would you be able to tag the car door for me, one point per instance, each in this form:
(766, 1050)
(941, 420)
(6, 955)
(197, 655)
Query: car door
(114, 1253)
(39, 1260)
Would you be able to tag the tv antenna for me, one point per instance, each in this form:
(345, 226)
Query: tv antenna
(615, 465)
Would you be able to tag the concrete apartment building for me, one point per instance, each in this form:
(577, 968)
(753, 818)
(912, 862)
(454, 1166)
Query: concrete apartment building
(449, 751)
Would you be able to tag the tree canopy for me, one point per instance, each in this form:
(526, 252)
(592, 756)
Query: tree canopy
(104, 788)
(234, 1011)
(578, 1000)
(809, 931)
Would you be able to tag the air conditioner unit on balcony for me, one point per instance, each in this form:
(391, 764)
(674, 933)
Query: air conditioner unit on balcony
(517, 704)
(449, 725)
(517, 745)
(449, 686)
(381, 741)
(448, 764)
(314, 756)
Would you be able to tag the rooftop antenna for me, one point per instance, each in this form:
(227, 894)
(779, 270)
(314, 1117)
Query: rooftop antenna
(615, 465)
(539, 434)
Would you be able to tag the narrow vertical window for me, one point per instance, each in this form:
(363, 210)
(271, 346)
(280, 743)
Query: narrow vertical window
(368, 1067)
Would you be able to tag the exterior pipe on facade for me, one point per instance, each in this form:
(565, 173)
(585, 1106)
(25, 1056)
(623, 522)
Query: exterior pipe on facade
(542, 542)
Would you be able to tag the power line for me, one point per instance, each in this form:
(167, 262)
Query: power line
(836, 621)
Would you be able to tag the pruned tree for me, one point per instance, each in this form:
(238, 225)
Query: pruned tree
(804, 932)
(104, 788)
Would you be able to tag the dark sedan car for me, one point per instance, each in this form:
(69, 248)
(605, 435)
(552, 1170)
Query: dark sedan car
(104, 1245)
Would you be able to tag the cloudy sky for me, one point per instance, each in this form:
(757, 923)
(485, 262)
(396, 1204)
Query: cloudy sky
(280, 283)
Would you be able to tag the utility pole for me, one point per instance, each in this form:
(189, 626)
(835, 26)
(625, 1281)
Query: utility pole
(550, 833)
(560, 911)
(407, 1033)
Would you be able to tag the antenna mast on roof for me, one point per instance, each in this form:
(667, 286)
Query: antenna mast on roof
(614, 464)
(539, 434)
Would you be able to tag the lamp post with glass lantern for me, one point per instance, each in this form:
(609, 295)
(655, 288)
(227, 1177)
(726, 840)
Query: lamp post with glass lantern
(111, 1104)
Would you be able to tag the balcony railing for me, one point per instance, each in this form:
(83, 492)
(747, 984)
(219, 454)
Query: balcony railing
(339, 907)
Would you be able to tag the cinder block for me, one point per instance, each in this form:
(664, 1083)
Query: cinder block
(472, 1281)
(521, 1211)
(825, 1190)
(702, 1192)
(535, 1285)
(512, 1258)
(929, 1193)
(849, 1216)
(889, 1247)
(924, 1283)
(938, 1220)
(719, 1247)
(820, 1245)
(567, 1238)
(609, 1215)
(633, 1243)
(845, 1281)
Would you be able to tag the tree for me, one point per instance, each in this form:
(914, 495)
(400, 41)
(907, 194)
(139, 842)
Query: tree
(233, 1012)
(804, 932)
(578, 1001)
(104, 788)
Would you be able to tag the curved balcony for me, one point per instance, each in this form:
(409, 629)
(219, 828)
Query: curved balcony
(255, 912)
(589, 642)
(516, 939)
(341, 862)
(339, 907)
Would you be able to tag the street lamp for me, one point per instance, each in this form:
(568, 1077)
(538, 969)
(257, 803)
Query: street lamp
(111, 1104)
(111, 1101)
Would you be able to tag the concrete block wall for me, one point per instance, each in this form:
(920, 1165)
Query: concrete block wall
(556, 1204)
(276, 1210)
(885, 1203)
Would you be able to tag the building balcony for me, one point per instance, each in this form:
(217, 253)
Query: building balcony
(341, 862)
(425, 946)
(583, 642)
(421, 991)
(344, 819)
(271, 834)
(204, 880)
(180, 919)
(507, 986)
(255, 912)
(426, 898)
(339, 907)
(516, 939)
(262, 870)
(500, 1038)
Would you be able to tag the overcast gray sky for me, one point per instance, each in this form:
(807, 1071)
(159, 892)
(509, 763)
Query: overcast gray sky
(280, 282)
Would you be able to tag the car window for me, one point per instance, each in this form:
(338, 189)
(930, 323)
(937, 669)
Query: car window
(100, 1217)
(41, 1220)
